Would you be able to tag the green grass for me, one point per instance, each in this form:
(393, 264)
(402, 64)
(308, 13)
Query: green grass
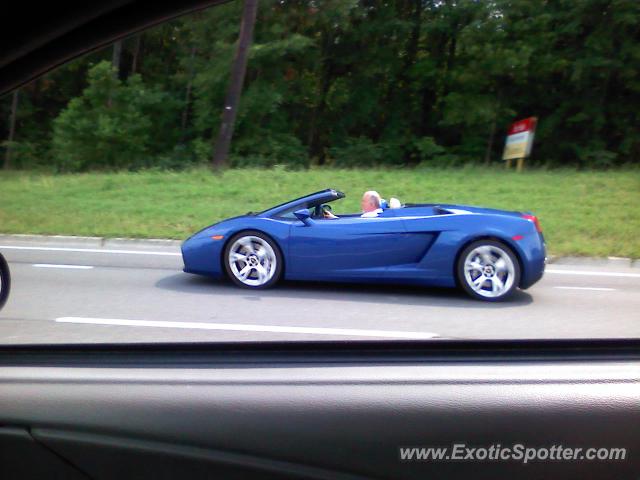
(582, 213)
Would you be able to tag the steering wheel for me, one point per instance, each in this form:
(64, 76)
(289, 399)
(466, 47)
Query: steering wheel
(326, 209)
(320, 210)
(5, 281)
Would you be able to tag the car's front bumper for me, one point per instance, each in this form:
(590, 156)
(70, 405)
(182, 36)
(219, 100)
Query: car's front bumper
(201, 255)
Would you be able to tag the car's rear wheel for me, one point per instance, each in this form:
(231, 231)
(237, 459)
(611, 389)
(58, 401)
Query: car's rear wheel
(253, 260)
(488, 270)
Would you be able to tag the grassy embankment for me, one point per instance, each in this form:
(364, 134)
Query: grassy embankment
(582, 213)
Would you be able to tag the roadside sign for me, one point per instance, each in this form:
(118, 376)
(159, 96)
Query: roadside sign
(520, 139)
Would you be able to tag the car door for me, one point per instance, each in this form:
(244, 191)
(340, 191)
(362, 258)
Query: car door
(346, 248)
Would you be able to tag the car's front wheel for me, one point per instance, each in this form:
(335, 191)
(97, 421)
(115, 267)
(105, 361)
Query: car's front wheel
(253, 260)
(5, 281)
(488, 270)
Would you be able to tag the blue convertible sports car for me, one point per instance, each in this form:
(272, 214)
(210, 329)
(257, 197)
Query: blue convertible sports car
(489, 253)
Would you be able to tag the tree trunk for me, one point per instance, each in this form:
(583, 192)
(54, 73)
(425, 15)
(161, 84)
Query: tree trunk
(12, 129)
(397, 99)
(187, 96)
(238, 71)
(117, 56)
(316, 149)
(430, 90)
(492, 133)
(115, 63)
(136, 54)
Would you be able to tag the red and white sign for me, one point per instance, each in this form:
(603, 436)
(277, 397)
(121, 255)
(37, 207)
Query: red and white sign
(520, 139)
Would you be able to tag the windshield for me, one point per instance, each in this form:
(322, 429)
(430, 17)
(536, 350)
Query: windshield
(489, 154)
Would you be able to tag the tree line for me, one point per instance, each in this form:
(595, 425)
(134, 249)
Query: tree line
(346, 83)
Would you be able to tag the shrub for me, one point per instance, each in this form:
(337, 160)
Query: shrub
(427, 153)
(267, 150)
(25, 154)
(597, 157)
(111, 125)
(361, 151)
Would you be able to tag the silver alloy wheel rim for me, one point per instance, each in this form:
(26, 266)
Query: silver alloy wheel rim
(489, 271)
(252, 260)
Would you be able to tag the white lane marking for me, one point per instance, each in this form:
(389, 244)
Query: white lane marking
(89, 250)
(350, 332)
(592, 273)
(177, 254)
(597, 289)
(51, 265)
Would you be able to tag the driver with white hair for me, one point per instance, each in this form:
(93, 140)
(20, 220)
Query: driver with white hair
(371, 204)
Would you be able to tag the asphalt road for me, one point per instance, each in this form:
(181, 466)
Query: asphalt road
(68, 291)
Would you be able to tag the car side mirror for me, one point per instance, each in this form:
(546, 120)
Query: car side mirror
(304, 215)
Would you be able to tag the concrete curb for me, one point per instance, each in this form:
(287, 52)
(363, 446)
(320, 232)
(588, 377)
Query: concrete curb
(91, 242)
(155, 243)
(595, 261)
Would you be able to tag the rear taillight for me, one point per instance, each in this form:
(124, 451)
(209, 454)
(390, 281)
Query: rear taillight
(535, 221)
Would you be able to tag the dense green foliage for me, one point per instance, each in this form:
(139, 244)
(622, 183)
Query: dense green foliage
(582, 213)
(349, 83)
(111, 123)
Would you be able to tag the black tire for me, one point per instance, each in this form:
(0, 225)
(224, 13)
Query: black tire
(5, 281)
(277, 254)
(510, 279)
